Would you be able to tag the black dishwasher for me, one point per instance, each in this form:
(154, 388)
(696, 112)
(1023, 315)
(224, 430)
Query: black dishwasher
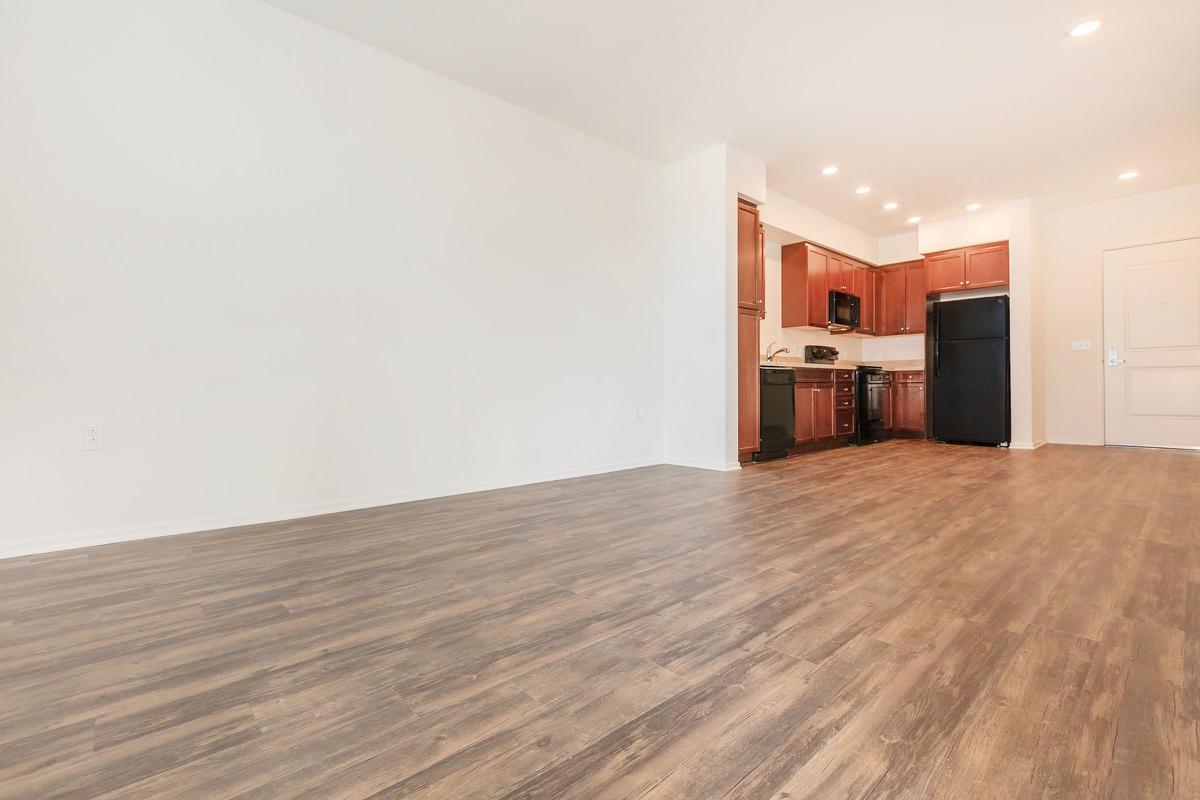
(777, 421)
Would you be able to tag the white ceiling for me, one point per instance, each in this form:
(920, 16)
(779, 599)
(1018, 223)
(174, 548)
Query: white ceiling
(934, 103)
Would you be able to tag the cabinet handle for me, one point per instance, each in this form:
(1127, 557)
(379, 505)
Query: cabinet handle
(966, 283)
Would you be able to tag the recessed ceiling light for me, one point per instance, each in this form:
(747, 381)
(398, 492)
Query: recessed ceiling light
(1086, 27)
(974, 206)
(1128, 176)
(831, 169)
(863, 189)
(913, 220)
(890, 206)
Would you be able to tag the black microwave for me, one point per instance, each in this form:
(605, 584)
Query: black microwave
(843, 311)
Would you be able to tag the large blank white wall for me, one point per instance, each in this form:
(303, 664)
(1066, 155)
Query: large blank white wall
(290, 274)
(1074, 243)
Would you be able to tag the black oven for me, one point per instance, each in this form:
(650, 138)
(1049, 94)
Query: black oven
(870, 384)
(843, 311)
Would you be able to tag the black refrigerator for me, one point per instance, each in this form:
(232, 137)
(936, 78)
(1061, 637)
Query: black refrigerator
(971, 371)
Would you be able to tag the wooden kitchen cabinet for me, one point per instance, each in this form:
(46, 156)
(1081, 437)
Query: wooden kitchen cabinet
(804, 413)
(979, 267)
(890, 310)
(810, 272)
(748, 384)
(901, 299)
(945, 272)
(914, 297)
(822, 412)
(751, 307)
(751, 294)
(870, 287)
(804, 286)
(814, 412)
(908, 402)
(987, 266)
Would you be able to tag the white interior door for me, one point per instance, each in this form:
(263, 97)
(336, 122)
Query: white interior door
(1152, 345)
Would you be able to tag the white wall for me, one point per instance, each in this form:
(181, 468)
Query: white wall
(697, 309)
(291, 274)
(898, 248)
(803, 221)
(1073, 242)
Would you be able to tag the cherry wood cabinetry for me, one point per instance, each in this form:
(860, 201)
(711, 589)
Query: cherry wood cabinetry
(748, 385)
(869, 283)
(908, 402)
(980, 267)
(825, 407)
(751, 309)
(810, 273)
(900, 305)
(914, 297)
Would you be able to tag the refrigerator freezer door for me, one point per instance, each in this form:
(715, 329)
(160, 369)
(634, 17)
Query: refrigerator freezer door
(979, 318)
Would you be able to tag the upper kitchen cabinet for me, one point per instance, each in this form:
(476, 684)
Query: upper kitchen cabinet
(751, 292)
(810, 273)
(914, 297)
(900, 306)
(804, 286)
(980, 267)
(866, 286)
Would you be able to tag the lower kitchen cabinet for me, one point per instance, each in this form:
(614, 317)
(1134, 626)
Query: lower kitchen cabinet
(908, 402)
(748, 387)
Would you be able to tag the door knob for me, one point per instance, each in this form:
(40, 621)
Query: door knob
(1112, 357)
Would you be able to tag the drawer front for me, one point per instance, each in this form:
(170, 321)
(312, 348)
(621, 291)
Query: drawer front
(843, 375)
(844, 422)
(845, 389)
(812, 375)
(844, 402)
(909, 376)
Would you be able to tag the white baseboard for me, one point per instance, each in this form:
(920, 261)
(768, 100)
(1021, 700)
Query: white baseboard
(77, 539)
(1082, 444)
(1025, 445)
(708, 465)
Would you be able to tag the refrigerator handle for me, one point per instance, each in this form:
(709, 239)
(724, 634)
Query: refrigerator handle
(937, 346)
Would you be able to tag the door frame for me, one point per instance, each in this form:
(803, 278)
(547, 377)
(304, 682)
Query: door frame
(1100, 362)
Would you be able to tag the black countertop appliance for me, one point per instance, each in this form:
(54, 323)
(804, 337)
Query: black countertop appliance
(971, 371)
(777, 406)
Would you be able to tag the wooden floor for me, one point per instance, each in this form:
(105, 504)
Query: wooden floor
(904, 620)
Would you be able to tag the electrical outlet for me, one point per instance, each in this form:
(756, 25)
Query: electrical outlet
(93, 436)
(1081, 344)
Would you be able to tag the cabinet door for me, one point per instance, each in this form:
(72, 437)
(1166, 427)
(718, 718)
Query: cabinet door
(887, 407)
(986, 266)
(908, 413)
(748, 263)
(839, 274)
(819, 267)
(914, 297)
(890, 313)
(867, 322)
(822, 412)
(945, 272)
(804, 413)
(748, 387)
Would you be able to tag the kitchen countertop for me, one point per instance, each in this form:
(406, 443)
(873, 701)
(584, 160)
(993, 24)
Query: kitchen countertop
(891, 366)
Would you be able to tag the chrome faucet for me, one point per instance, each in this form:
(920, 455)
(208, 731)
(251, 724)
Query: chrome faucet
(771, 355)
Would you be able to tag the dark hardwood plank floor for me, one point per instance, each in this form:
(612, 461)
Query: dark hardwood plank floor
(904, 620)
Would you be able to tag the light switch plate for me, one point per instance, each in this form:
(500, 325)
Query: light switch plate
(1081, 344)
